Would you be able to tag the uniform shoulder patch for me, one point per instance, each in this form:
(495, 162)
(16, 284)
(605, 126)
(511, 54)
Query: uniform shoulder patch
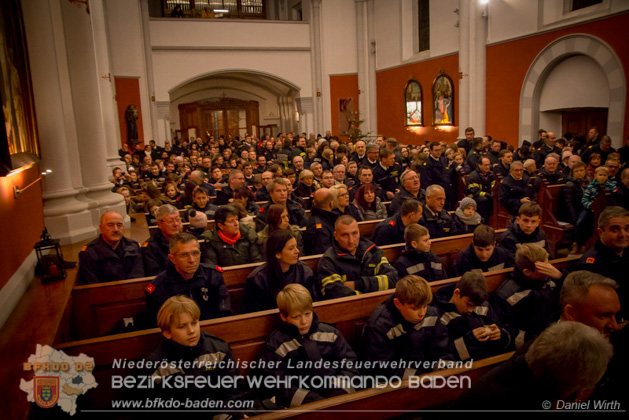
(261, 210)
(590, 260)
(145, 244)
(392, 222)
(150, 288)
(318, 226)
(219, 268)
(84, 248)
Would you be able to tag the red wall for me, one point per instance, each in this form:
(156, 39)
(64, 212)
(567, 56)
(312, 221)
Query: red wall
(508, 63)
(342, 86)
(390, 91)
(127, 93)
(22, 220)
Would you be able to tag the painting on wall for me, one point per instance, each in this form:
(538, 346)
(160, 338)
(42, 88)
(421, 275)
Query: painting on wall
(413, 99)
(16, 91)
(346, 110)
(443, 100)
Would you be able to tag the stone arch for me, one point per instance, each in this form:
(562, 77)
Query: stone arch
(553, 54)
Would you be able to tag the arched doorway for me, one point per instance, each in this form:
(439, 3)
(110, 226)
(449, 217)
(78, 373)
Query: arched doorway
(597, 62)
(234, 103)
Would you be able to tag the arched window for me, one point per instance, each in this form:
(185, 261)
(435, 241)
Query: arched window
(413, 99)
(443, 100)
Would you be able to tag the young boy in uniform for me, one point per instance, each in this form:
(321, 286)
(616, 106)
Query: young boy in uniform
(178, 320)
(417, 258)
(525, 229)
(464, 310)
(404, 330)
(528, 302)
(482, 254)
(300, 342)
(201, 202)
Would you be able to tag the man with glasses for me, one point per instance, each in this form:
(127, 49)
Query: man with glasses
(111, 256)
(516, 189)
(185, 275)
(156, 248)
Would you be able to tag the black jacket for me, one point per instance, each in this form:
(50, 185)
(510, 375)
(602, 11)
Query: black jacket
(287, 349)
(368, 268)
(319, 234)
(296, 212)
(525, 307)
(399, 198)
(433, 171)
(98, 263)
(602, 260)
(438, 224)
(511, 191)
(423, 264)
(155, 252)
(461, 341)
(571, 195)
(467, 261)
(480, 185)
(389, 231)
(206, 288)
(514, 237)
(459, 227)
(388, 179)
(553, 179)
(389, 337)
(262, 286)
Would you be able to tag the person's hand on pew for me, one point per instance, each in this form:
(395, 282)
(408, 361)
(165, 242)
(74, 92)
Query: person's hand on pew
(548, 269)
(390, 195)
(525, 200)
(350, 285)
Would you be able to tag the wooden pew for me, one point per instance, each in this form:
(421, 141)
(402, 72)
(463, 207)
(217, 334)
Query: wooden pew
(97, 308)
(548, 199)
(246, 334)
(501, 217)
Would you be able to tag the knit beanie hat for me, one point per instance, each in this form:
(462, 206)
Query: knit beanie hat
(526, 143)
(467, 202)
(197, 219)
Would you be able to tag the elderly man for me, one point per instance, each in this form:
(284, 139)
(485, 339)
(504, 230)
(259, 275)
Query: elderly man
(317, 170)
(353, 265)
(298, 165)
(547, 148)
(515, 189)
(235, 180)
(609, 256)
(435, 218)
(339, 175)
(185, 275)
(156, 249)
(373, 152)
(411, 189)
(551, 173)
(319, 234)
(111, 256)
(263, 193)
(278, 194)
(360, 155)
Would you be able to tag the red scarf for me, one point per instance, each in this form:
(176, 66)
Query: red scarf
(230, 241)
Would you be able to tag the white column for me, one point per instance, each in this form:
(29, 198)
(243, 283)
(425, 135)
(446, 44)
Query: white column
(472, 65)
(106, 86)
(315, 53)
(85, 83)
(148, 60)
(372, 113)
(66, 217)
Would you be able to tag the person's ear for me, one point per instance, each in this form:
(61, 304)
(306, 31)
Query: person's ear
(171, 258)
(527, 272)
(397, 303)
(283, 318)
(167, 334)
(570, 312)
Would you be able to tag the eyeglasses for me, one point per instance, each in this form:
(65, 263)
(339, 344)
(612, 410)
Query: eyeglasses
(343, 194)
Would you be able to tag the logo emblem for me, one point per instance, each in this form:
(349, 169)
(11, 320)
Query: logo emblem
(150, 288)
(392, 223)
(46, 391)
(590, 260)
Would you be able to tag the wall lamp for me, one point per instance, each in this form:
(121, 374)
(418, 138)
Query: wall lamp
(17, 191)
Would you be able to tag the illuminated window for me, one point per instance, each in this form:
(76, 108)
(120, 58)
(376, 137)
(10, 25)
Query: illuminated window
(413, 98)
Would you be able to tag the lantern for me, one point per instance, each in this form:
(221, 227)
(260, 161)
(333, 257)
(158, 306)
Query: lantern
(49, 258)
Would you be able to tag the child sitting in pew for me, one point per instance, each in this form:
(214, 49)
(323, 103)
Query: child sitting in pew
(465, 219)
(201, 202)
(299, 343)
(471, 323)
(417, 258)
(528, 301)
(183, 341)
(525, 229)
(404, 329)
(482, 254)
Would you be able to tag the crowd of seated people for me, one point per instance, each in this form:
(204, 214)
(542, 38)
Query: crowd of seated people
(341, 184)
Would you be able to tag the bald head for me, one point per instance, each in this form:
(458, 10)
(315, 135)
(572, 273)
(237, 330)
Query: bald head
(323, 199)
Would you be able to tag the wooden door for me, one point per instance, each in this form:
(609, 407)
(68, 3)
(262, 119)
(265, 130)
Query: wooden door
(578, 121)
